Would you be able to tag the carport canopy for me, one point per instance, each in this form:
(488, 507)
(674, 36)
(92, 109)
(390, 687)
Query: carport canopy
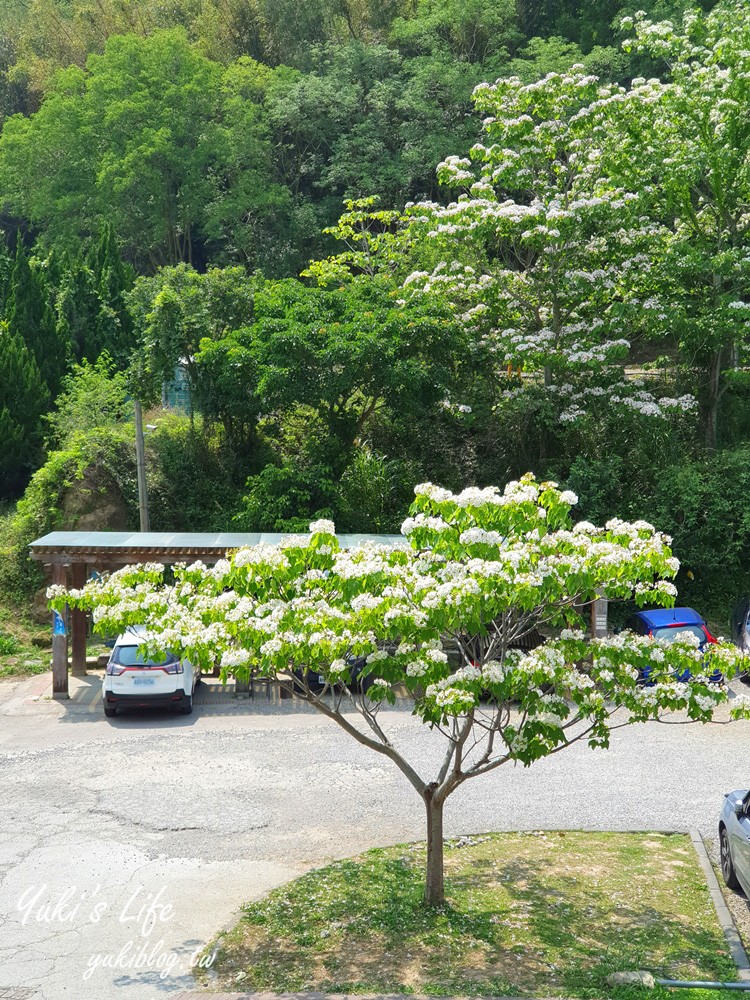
(74, 555)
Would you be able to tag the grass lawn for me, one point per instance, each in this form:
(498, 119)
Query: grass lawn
(535, 914)
(26, 645)
(19, 656)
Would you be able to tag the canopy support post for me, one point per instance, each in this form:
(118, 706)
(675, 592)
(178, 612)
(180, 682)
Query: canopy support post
(78, 623)
(59, 640)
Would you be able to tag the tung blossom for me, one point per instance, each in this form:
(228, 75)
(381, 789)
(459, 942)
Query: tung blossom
(322, 527)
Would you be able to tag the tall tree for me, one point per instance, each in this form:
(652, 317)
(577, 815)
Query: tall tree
(91, 306)
(147, 138)
(349, 354)
(29, 316)
(77, 308)
(23, 400)
(544, 255)
(157, 103)
(686, 143)
(438, 617)
(113, 279)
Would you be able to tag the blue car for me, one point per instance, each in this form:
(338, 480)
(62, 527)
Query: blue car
(667, 623)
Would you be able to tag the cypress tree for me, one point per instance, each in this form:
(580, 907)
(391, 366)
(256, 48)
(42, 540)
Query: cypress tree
(78, 312)
(12, 452)
(29, 316)
(23, 400)
(112, 279)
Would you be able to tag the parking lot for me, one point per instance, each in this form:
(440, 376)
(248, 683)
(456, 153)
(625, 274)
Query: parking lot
(177, 820)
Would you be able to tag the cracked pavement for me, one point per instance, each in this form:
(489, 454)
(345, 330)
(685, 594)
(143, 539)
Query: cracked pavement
(195, 815)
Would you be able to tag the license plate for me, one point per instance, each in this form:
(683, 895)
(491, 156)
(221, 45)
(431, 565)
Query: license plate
(143, 681)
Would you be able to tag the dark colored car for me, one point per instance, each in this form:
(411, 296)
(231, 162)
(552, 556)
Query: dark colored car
(740, 626)
(316, 682)
(667, 623)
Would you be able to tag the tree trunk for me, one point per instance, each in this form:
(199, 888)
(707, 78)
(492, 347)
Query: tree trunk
(434, 890)
(712, 401)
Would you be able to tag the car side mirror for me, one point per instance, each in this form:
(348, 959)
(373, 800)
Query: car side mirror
(739, 808)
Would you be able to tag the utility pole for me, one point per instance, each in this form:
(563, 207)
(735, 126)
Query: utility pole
(140, 456)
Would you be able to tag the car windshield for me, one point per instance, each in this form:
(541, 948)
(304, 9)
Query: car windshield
(128, 656)
(671, 633)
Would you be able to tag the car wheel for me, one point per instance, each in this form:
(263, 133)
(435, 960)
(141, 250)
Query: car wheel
(110, 711)
(187, 705)
(727, 867)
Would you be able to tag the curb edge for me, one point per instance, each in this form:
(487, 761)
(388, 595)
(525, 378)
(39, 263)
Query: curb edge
(728, 926)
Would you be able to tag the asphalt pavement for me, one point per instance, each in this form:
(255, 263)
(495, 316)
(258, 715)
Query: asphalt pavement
(126, 844)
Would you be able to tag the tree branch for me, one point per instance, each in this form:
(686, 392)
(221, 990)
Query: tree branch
(386, 749)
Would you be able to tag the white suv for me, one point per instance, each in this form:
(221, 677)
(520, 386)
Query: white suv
(132, 680)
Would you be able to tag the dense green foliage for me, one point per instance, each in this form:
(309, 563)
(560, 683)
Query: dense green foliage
(29, 317)
(23, 400)
(229, 132)
(169, 169)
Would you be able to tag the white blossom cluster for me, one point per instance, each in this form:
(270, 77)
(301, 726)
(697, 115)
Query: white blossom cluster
(577, 400)
(577, 248)
(261, 555)
(322, 527)
(478, 536)
(458, 409)
(485, 565)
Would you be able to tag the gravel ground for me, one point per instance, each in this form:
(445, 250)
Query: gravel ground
(207, 811)
(739, 907)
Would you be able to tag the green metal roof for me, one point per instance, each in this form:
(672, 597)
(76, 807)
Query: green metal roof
(70, 541)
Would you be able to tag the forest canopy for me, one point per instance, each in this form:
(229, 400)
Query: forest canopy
(373, 244)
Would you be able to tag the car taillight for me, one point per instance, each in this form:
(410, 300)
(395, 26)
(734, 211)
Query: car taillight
(114, 670)
(709, 637)
(175, 668)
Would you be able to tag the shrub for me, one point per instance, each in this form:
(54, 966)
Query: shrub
(191, 480)
(8, 644)
(42, 507)
(702, 503)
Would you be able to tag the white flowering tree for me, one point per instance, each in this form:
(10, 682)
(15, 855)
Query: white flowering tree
(598, 214)
(685, 145)
(439, 620)
(589, 216)
(558, 271)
